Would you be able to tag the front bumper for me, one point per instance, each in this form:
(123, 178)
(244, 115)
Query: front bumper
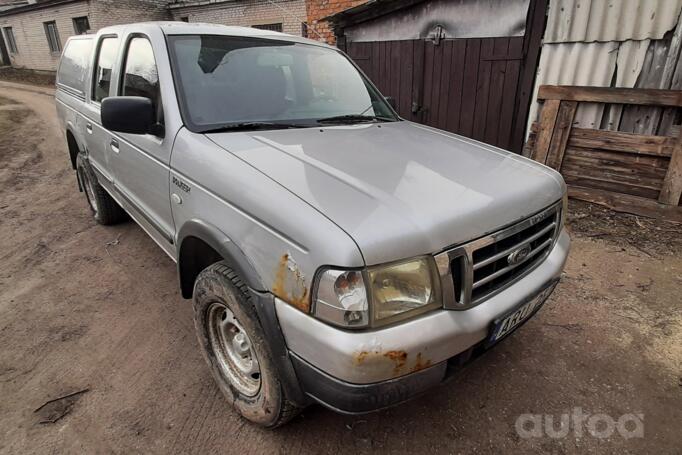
(363, 371)
(348, 398)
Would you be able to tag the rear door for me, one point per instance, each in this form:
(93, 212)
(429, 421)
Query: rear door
(96, 137)
(140, 163)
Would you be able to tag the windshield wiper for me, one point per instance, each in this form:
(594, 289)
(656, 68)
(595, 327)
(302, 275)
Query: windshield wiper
(245, 126)
(354, 118)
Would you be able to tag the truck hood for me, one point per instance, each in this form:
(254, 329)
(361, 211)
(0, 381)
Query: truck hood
(399, 189)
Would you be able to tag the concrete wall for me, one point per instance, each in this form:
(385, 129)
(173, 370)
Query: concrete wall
(29, 33)
(290, 13)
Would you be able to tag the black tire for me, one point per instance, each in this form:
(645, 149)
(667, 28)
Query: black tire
(218, 285)
(103, 207)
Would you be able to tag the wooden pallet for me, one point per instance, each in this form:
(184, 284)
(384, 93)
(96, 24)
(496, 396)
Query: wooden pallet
(627, 172)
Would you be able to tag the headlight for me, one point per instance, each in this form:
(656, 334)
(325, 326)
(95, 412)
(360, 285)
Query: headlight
(403, 287)
(341, 298)
(377, 295)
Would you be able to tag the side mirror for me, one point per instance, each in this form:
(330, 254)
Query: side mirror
(128, 114)
(391, 101)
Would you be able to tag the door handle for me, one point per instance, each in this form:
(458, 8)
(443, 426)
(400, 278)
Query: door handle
(114, 145)
(88, 128)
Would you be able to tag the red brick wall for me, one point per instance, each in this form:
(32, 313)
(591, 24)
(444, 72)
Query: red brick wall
(318, 9)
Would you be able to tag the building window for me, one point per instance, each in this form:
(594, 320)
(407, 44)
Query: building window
(185, 19)
(81, 25)
(304, 30)
(11, 42)
(272, 27)
(52, 36)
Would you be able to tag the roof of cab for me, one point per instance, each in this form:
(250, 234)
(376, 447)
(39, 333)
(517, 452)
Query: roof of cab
(196, 28)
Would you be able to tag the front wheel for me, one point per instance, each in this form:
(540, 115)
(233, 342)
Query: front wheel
(234, 346)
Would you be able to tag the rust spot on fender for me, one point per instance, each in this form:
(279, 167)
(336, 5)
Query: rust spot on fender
(399, 358)
(420, 363)
(290, 285)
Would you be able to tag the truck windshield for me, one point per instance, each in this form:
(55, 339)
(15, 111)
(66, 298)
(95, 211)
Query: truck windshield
(226, 82)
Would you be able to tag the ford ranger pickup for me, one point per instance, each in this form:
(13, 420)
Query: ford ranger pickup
(333, 251)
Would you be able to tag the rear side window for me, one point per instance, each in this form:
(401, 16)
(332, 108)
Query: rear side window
(73, 69)
(140, 76)
(105, 64)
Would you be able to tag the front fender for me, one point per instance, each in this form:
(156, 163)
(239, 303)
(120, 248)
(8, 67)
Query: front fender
(225, 247)
(262, 300)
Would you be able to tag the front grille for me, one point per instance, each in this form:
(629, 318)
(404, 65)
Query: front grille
(484, 267)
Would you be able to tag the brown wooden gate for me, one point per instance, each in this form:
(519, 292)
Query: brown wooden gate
(477, 87)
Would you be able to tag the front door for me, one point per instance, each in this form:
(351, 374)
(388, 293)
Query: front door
(140, 163)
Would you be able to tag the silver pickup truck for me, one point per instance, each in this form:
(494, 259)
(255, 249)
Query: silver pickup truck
(334, 252)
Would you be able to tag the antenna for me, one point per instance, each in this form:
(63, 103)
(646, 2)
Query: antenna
(308, 27)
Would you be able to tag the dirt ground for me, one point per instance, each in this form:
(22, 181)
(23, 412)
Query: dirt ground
(41, 78)
(86, 307)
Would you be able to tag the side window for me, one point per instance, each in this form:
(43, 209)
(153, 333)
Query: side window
(73, 68)
(140, 76)
(105, 63)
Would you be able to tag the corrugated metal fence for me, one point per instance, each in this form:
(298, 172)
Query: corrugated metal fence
(605, 43)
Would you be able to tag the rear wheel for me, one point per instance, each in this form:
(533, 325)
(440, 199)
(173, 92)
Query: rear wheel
(234, 346)
(104, 208)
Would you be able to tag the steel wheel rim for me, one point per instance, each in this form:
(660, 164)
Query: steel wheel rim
(89, 191)
(233, 350)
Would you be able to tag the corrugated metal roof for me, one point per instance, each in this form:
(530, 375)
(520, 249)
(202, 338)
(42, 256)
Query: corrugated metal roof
(610, 20)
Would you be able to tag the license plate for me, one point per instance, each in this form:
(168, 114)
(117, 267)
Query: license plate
(506, 324)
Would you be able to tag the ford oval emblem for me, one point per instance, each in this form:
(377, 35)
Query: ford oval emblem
(519, 255)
